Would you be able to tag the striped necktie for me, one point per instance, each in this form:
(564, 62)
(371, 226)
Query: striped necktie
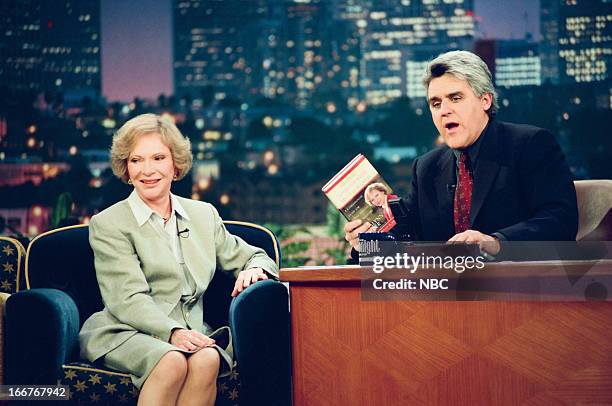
(463, 196)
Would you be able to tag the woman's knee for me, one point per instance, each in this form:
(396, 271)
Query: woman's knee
(172, 367)
(205, 362)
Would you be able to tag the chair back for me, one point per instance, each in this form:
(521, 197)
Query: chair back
(594, 210)
(256, 235)
(63, 259)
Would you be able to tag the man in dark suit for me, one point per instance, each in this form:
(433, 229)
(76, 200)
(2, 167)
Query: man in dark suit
(491, 181)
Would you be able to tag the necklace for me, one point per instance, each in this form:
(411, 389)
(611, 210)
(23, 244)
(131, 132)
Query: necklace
(166, 219)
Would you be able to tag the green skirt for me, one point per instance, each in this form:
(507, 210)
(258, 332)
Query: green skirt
(151, 350)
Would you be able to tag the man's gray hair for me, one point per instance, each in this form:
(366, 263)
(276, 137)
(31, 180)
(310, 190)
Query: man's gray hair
(466, 66)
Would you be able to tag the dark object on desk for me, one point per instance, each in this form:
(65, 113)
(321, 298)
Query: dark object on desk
(405, 229)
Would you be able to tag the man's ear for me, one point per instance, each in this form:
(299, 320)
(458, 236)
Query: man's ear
(487, 101)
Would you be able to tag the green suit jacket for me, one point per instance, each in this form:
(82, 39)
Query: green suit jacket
(140, 279)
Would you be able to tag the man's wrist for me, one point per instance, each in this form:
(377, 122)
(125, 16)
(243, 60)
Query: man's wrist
(490, 249)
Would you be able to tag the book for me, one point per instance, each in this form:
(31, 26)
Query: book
(359, 192)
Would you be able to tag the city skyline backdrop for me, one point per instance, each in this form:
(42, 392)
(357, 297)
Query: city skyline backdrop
(142, 66)
(275, 95)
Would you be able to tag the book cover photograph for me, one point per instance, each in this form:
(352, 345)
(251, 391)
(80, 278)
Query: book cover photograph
(359, 192)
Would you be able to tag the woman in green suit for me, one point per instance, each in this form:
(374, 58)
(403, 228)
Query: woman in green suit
(155, 254)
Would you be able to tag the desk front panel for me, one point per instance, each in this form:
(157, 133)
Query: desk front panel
(350, 352)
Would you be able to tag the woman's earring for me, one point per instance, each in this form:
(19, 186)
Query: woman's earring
(130, 182)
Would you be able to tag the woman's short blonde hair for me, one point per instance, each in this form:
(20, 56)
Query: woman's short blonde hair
(125, 139)
(374, 186)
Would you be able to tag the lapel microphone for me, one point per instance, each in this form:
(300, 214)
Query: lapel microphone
(181, 233)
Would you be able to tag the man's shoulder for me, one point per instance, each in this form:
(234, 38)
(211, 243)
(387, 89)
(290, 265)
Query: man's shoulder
(520, 131)
(512, 138)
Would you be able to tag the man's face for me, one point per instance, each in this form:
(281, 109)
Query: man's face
(458, 114)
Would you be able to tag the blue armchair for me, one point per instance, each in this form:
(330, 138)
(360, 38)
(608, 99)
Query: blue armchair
(42, 325)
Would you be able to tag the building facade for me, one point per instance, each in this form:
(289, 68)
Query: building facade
(576, 42)
(51, 46)
(401, 36)
(512, 62)
(213, 47)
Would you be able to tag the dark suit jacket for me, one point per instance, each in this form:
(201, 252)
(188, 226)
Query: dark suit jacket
(523, 189)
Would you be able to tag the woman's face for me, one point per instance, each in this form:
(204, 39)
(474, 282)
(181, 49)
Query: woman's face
(377, 198)
(151, 168)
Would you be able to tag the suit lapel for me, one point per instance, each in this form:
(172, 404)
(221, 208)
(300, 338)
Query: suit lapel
(486, 170)
(443, 182)
(192, 252)
(159, 256)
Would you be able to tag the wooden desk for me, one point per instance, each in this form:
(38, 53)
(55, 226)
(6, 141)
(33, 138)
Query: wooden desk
(351, 352)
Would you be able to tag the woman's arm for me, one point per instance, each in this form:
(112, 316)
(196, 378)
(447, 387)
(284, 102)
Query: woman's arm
(234, 254)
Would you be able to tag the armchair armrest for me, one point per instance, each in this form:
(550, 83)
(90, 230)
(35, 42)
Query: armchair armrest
(3, 297)
(42, 328)
(259, 320)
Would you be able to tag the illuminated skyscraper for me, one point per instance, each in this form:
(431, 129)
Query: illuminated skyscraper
(576, 41)
(71, 47)
(269, 65)
(400, 36)
(51, 46)
(517, 63)
(302, 60)
(213, 42)
(347, 48)
(20, 45)
(307, 54)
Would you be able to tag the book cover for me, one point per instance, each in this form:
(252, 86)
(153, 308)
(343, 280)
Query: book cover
(359, 192)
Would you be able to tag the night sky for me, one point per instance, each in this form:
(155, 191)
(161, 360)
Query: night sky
(137, 41)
